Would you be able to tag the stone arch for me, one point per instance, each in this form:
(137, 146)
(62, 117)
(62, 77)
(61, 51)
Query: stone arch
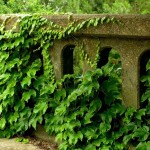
(109, 58)
(67, 59)
(104, 55)
(143, 59)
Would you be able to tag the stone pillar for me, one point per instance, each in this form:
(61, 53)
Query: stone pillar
(130, 78)
(131, 52)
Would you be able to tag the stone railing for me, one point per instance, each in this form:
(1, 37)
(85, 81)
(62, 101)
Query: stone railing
(131, 40)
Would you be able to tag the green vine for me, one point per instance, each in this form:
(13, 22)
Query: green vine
(83, 111)
(86, 57)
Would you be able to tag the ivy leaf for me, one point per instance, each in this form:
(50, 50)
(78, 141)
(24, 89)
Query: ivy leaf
(32, 27)
(145, 96)
(38, 82)
(7, 93)
(13, 117)
(61, 93)
(87, 118)
(148, 65)
(26, 112)
(11, 83)
(96, 104)
(40, 107)
(128, 114)
(97, 142)
(59, 137)
(145, 78)
(1, 108)
(107, 69)
(60, 35)
(34, 68)
(142, 133)
(4, 78)
(110, 86)
(148, 109)
(4, 56)
(27, 95)
(73, 137)
(31, 72)
(104, 127)
(130, 127)
(20, 139)
(74, 124)
(5, 46)
(40, 118)
(108, 20)
(140, 113)
(117, 108)
(127, 138)
(106, 116)
(33, 121)
(47, 89)
(90, 147)
(25, 141)
(95, 84)
(26, 81)
(103, 19)
(143, 146)
(19, 105)
(96, 22)
(105, 147)
(60, 110)
(28, 42)
(18, 41)
(63, 146)
(79, 135)
(2, 123)
(89, 133)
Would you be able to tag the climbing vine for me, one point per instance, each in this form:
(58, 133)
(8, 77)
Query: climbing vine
(84, 111)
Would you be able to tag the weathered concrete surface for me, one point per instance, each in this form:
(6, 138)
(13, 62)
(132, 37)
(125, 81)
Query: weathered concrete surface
(131, 39)
(11, 144)
(132, 25)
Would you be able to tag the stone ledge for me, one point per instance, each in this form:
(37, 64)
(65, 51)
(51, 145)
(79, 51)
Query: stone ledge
(134, 26)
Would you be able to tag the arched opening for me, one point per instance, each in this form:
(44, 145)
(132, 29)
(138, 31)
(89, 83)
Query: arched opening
(72, 61)
(144, 76)
(103, 57)
(67, 58)
(111, 81)
(143, 61)
(111, 58)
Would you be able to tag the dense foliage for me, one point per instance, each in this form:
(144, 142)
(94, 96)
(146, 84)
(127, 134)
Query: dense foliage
(23, 78)
(75, 6)
(83, 111)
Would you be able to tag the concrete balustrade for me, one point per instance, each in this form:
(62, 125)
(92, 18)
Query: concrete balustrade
(131, 39)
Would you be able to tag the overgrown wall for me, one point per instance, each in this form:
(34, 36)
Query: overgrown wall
(129, 35)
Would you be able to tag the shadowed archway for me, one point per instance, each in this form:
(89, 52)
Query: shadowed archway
(67, 59)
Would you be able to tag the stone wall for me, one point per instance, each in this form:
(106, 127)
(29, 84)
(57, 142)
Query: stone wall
(131, 40)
